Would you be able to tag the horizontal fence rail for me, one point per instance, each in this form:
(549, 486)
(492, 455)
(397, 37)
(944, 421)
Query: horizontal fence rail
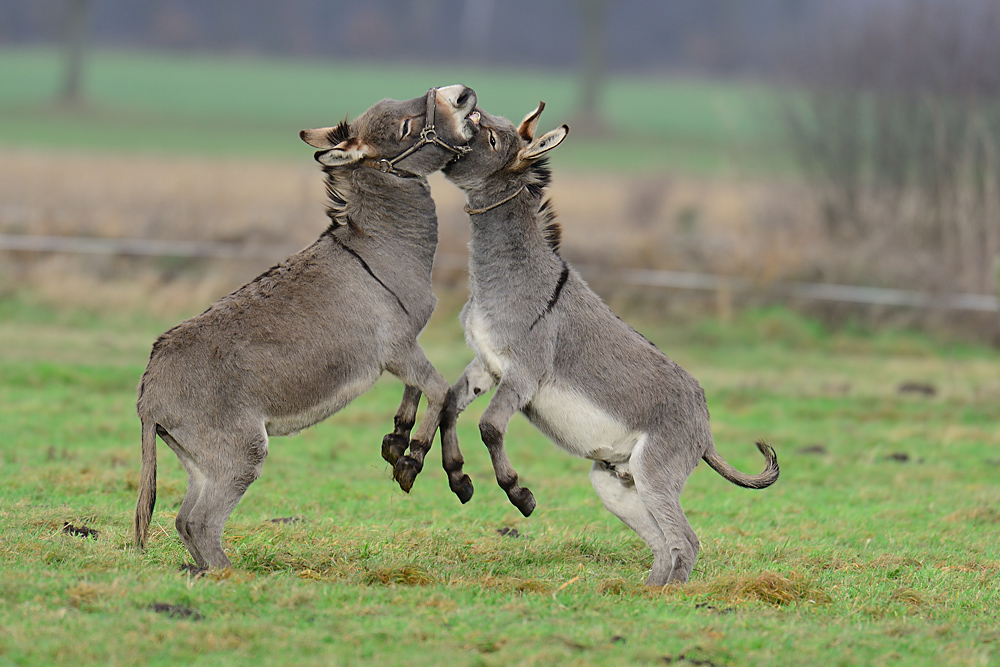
(635, 277)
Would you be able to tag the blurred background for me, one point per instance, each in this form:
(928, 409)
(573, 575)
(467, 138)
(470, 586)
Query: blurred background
(839, 157)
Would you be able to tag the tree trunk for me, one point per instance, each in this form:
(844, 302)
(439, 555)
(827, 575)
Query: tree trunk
(74, 45)
(594, 52)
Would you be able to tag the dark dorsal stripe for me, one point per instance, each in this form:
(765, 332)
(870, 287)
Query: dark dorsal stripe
(369, 270)
(563, 277)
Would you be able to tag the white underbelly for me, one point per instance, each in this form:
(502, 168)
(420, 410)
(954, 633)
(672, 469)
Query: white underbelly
(578, 425)
(336, 401)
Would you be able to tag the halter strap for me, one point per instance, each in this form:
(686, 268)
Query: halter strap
(428, 135)
(477, 211)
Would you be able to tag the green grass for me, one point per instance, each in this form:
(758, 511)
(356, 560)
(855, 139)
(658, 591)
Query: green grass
(853, 558)
(251, 107)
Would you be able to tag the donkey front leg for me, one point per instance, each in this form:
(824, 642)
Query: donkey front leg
(416, 371)
(394, 444)
(511, 395)
(474, 382)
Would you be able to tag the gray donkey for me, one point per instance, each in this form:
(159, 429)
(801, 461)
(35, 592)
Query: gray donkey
(316, 331)
(557, 353)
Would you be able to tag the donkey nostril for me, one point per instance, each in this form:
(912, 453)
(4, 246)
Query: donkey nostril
(464, 97)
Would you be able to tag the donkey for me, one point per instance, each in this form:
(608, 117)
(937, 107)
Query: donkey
(557, 353)
(307, 337)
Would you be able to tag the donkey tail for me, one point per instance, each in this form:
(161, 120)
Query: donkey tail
(763, 480)
(147, 485)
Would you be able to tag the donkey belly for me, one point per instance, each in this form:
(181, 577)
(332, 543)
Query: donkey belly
(581, 427)
(336, 400)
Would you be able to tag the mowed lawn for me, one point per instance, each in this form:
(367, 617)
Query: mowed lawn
(877, 546)
(213, 105)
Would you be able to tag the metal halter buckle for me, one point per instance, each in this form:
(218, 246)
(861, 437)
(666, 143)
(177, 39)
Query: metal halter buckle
(428, 135)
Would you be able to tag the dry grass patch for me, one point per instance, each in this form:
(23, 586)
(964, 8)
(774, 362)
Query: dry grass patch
(617, 586)
(407, 574)
(515, 584)
(767, 587)
(908, 596)
(977, 515)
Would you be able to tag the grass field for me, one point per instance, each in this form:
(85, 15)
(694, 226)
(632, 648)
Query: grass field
(878, 545)
(230, 106)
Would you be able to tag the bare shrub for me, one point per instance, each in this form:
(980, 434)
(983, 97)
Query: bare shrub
(899, 125)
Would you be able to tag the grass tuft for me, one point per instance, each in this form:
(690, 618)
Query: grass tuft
(908, 596)
(408, 574)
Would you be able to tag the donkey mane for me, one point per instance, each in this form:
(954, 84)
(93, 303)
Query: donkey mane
(550, 226)
(539, 175)
(340, 133)
(336, 209)
(336, 184)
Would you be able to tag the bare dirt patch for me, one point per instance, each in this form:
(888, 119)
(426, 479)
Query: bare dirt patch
(176, 611)
(80, 531)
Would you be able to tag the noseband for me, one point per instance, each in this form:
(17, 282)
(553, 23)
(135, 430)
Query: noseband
(428, 135)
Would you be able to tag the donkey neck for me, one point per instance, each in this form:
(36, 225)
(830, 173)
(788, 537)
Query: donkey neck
(508, 254)
(390, 225)
(384, 212)
(398, 208)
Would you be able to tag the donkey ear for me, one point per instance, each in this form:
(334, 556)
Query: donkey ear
(543, 144)
(322, 137)
(527, 127)
(346, 152)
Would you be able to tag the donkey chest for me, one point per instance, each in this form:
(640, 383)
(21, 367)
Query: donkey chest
(580, 426)
(480, 336)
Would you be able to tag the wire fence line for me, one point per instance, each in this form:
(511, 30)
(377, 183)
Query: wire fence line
(633, 277)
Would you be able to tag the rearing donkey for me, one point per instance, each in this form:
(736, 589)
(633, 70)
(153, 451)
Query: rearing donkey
(558, 354)
(311, 334)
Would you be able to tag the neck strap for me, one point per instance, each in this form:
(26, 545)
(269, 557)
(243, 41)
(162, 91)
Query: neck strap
(477, 211)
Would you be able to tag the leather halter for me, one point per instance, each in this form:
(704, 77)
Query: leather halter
(428, 135)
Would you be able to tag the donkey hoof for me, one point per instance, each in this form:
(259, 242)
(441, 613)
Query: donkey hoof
(405, 472)
(524, 501)
(393, 446)
(463, 489)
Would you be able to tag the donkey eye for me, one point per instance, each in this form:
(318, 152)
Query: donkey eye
(404, 129)
(493, 140)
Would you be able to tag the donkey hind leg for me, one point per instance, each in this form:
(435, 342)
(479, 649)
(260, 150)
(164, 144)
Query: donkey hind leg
(659, 473)
(394, 444)
(416, 371)
(617, 491)
(195, 483)
(474, 382)
(511, 395)
(216, 485)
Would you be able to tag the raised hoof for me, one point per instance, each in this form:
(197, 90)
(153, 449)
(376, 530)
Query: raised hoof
(393, 446)
(463, 489)
(405, 472)
(523, 500)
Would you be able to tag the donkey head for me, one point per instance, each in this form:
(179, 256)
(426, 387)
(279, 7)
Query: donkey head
(391, 135)
(503, 155)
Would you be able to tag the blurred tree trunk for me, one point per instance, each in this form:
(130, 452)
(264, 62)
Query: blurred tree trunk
(74, 48)
(593, 15)
(474, 28)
